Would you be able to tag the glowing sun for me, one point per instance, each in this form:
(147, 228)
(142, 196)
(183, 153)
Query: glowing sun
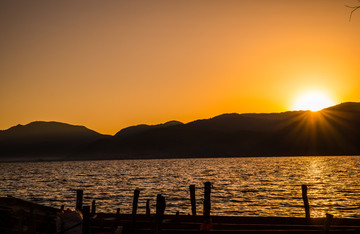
(313, 101)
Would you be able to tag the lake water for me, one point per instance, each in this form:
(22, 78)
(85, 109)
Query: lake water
(241, 186)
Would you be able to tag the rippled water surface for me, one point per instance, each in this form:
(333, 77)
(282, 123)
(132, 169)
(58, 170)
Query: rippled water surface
(241, 186)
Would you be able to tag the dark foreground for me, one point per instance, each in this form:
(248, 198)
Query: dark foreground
(19, 216)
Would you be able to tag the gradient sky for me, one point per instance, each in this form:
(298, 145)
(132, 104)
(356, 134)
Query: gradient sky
(108, 64)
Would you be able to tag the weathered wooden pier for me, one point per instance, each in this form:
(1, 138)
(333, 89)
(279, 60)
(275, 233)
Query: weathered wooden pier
(19, 216)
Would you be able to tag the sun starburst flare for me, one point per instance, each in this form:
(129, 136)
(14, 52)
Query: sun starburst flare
(313, 101)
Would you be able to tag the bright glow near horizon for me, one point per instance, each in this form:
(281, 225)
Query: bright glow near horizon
(313, 101)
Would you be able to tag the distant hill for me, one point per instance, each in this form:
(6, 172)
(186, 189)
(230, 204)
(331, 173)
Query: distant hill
(133, 130)
(44, 140)
(332, 131)
(345, 107)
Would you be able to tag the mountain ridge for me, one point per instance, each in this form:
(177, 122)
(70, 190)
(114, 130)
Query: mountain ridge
(332, 131)
(49, 139)
(131, 130)
(232, 135)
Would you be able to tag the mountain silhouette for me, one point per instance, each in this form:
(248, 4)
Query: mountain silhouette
(331, 131)
(133, 130)
(44, 140)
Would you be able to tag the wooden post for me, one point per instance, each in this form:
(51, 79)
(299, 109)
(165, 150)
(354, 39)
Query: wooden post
(86, 219)
(160, 209)
(93, 208)
(135, 205)
(207, 202)
(62, 207)
(193, 199)
(148, 207)
(327, 223)
(306, 201)
(79, 199)
(118, 211)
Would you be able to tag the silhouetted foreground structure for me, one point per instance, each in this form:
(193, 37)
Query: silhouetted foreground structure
(18, 216)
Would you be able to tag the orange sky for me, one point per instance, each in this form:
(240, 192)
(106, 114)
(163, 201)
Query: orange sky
(110, 64)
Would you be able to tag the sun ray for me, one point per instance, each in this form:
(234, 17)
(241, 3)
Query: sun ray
(319, 133)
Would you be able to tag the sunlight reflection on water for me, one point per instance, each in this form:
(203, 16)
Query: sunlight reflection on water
(241, 186)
